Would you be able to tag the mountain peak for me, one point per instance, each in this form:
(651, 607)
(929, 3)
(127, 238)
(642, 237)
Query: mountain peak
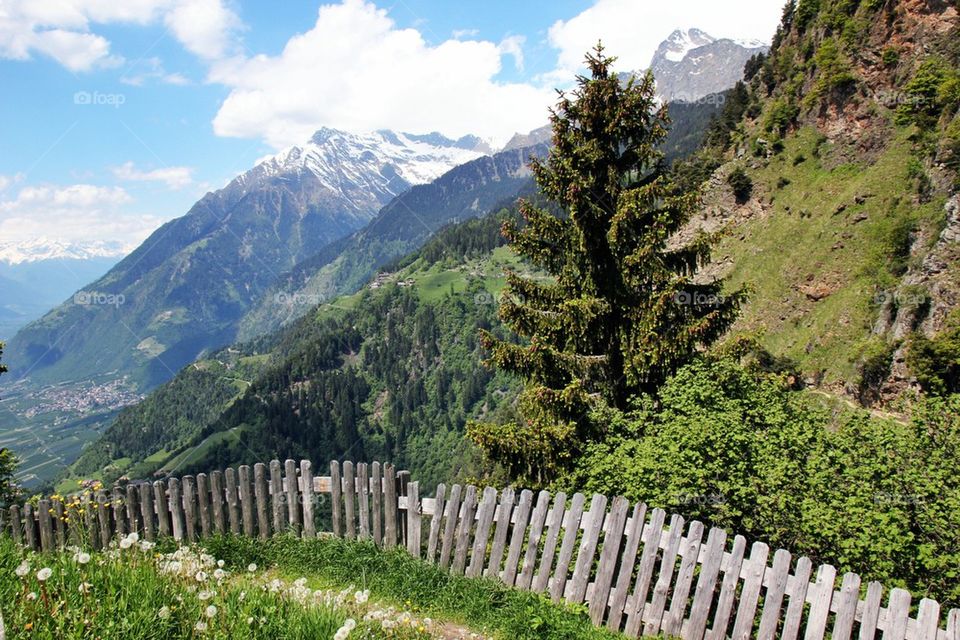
(38, 249)
(681, 42)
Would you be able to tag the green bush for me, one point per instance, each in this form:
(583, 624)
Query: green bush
(742, 451)
(936, 362)
(933, 90)
(741, 184)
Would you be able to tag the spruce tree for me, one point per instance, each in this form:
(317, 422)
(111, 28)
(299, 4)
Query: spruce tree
(622, 308)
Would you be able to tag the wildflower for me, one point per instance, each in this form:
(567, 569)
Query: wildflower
(201, 626)
(164, 612)
(220, 563)
(211, 611)
(203, 596)
(44, 573)
(133, 537)
(362, 596)
(201, 576)
(84, 587)
(81, 557)
(250, 620)
(219, 574)
(126, 543)
(300, 582)
(23, 569)
(32, 595)
(146, 545)
(252, 567)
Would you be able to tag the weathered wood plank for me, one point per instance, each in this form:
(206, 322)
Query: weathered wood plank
(502, 530)
(16, 525)
(571, 531)
(90, 518)
(537, 520)
(189, 508)
(119, 513)
(162, 505)
(45, 522)
(773, 602)
(414, 537)
(609, 554)
(262, 492)
(336, 498)
(798, 598)
(464, 530)
(517, 538)
(233, 501)
(293, 497)
(750, 592)
(390, 511)
(728, 590)
(176, 508)
(308, 499)
(217, 494)
(690, 552)
(696, 625)
(133, 509)
(451, 518)
(820, 604)
(621, 589)
(648, 559)
(870, 613)
(349, 500)
(363, 499)
(653, 614)
(403, 479)
(436, 520)
(203, 505)
(898, 615)
(146, 511)
(953, 625)
(847, 608)
(485, 515)
(554, 523)
(376, 506)
(245, 493)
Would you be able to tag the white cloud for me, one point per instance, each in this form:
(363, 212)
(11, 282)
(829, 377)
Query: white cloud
(73, 213)
(459, 34)
(172, 177)
(513, 46)
(151, 69)
(356, 70)
(63, 31)
(632, 29)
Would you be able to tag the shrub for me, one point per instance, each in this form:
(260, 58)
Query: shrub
(935, 362)
(741, 184)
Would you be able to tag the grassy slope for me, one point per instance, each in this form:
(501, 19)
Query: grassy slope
(815, 237)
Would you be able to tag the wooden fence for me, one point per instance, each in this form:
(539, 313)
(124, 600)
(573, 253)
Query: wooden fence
(637, 570)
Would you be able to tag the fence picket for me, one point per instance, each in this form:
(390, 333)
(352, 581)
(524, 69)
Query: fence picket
(45, 522)
(690, 551)
(376, 488)
(871, 611)
(262, 491)
(89, 518)
(728, 590)
(146, 511)
(773, 602)
(176, 508)
(695, 627)
(571, 532)
(653, 614)
(537, 520)
(119, 512)
(750, 591)
(898, 615)
(363, 499)
(233, 502)
(847, 607)
(554, 524)
(484, 523)
(464, 529)
(307, 499)
(349, 495)
(798, 598)
(648, 559)
(517, 538)
(451, 517)
(189, 508)
(820, 604)
(293, 497)
(336, 489)
(16, 526)
(609, 554)
(216, 503)
(389, 506)
(435, 521)
(203, 505)
(621, 589)
(414, 539)
(132, 508)
(162, 505)
(504, 510)
(953, 625)
(245, 493)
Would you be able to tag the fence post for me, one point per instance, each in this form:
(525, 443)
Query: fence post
(335, 490)
(293, 497)
(146, 511)
(349, 500)
(309, 521)
(261, 491)
(277, 497)
(389, 506)
(413, 519)
(246, 501)
(376, 507)
(203, 505)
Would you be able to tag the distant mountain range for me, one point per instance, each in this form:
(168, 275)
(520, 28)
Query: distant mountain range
(186, 287)
(691, 64)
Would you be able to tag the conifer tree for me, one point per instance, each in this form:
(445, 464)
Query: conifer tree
(622, 308)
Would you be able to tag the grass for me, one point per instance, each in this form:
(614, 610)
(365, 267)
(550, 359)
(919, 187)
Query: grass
(395, 576)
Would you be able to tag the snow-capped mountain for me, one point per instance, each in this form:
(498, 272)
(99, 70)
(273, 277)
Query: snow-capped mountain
(185, 289)
(691, 64)
(365, 166)
(40, 249)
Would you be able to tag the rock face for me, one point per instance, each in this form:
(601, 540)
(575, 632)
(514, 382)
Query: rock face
(691, 64)
(187, 286)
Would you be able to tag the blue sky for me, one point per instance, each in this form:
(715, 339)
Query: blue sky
(118, 114)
